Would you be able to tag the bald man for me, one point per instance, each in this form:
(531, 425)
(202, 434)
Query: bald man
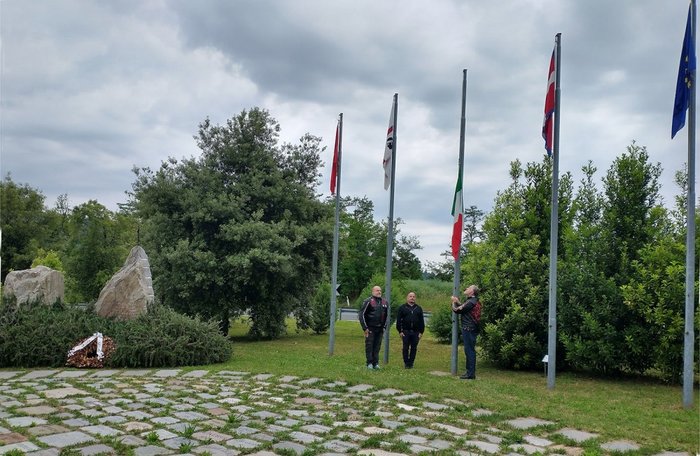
(373, 317)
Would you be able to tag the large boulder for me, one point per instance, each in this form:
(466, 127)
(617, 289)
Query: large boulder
(40, 284)
(130, 291)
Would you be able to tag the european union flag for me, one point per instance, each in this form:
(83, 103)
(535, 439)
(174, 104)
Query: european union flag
(686, 76)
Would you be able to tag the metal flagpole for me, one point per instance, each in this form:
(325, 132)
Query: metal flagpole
(334, 267)
(455, 287)
(554, 226)
(689, 336)
(390, 232)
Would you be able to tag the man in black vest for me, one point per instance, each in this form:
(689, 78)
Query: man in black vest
(373, 321)
(470, 328)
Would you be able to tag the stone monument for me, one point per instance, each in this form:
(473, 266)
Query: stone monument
(41, 284)
(130, 291)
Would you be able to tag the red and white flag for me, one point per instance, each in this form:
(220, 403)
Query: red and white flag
(334, 170)
(458, 214)
(549, 105)
(388, 149)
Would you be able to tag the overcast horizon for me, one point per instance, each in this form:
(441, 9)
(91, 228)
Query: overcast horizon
(89, 90)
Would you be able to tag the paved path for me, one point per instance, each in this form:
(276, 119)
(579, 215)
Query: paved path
(159, 412)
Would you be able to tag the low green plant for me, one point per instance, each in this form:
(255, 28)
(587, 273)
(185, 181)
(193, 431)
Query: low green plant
(152, 437)
(188, 431)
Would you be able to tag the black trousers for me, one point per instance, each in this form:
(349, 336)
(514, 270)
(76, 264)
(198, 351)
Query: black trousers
(373, 343)
(410, 345)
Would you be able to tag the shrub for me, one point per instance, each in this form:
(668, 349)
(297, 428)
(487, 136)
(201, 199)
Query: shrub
(440, 324)
(35, 335)
(162, 337)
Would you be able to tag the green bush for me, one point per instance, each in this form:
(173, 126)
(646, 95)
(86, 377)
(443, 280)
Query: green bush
(162, 337)
(35, 335)
(440, 324)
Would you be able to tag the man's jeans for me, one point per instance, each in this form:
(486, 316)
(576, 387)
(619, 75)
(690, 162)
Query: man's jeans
(469, 341)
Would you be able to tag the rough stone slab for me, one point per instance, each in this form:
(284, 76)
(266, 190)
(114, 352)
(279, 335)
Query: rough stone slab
(46, 429)
(481, 412)
(527, 423)
(537, 441)
(191, 416)
(25, 447)
(25, 421)
(76, 422)
(243, 443)
(37, 410)
(488, 447)
(245, 430)
(376, 430)
(164, 420)
(451, 429)
(105, 373)
(388, 392)
(316, 428)
(71, 374)
(421, 431)
(576, 435)
(290, 446)
(65, 439)
(378, 452)
(361, 388)
(161, 433)
(178, 442)
(136, 372)
(4, 375)
(211, 435)
(151, 450)
(131, 440)
(96, 449)
(439, 444)
(410, 438)
(340, 446)
(435, 406)
(620, 446)
(12, 437)
(101, 430)
(60, 393)
(526, 448)
(216, 450)
(408, 408)
(46, 452)
(196, 373)
(303, 437)
(166, 373)
(39, 374)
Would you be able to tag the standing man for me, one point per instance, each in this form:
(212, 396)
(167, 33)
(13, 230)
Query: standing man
(469, 312)
(410, 325)
(373, 321)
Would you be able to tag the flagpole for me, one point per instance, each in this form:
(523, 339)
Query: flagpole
(336, 228)
(554, 227)
(390, 232)
(457, 271)
(689, 338)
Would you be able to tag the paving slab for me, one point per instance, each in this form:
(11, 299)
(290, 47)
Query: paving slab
(576, 435)
(100, 448)
(24, 447)
(620, 446)
(216, 450)
(151, 450)
(527, 423)
(65, 439)
(297, 448)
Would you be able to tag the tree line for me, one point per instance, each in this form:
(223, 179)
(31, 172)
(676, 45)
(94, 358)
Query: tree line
(240, 230)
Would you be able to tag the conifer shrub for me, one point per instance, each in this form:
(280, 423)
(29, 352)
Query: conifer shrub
(164, 338)
(37, 335)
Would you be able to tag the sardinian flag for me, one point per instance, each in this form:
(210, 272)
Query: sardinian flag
(549, 104)
(389, 149)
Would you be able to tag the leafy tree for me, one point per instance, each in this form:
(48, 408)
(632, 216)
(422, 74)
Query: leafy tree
(49, 259)
(99, 242)
(512, 265)
(239, 228)
(23, 223)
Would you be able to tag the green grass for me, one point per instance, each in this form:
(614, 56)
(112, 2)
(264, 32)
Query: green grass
(642, 410)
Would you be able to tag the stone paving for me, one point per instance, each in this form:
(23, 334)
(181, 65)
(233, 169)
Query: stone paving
(169, 411)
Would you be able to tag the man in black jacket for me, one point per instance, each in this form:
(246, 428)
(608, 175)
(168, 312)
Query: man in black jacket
(410, 325)
(373, 321)
(470, 328)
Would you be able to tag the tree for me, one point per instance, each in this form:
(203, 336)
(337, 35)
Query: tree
(23, 223)
(98, 243)
(238, 229)
(512, 265)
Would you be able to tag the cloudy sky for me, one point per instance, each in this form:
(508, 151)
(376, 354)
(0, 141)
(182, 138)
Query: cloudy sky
(90, 89)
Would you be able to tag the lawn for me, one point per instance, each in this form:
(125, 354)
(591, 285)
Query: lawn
(642, 410)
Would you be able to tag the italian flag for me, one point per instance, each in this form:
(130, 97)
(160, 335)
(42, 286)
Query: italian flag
(457, 213)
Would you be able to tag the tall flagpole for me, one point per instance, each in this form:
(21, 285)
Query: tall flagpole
(457, 271)
(390, 234)
(554, 226)
(336, 228)
(689, 336)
